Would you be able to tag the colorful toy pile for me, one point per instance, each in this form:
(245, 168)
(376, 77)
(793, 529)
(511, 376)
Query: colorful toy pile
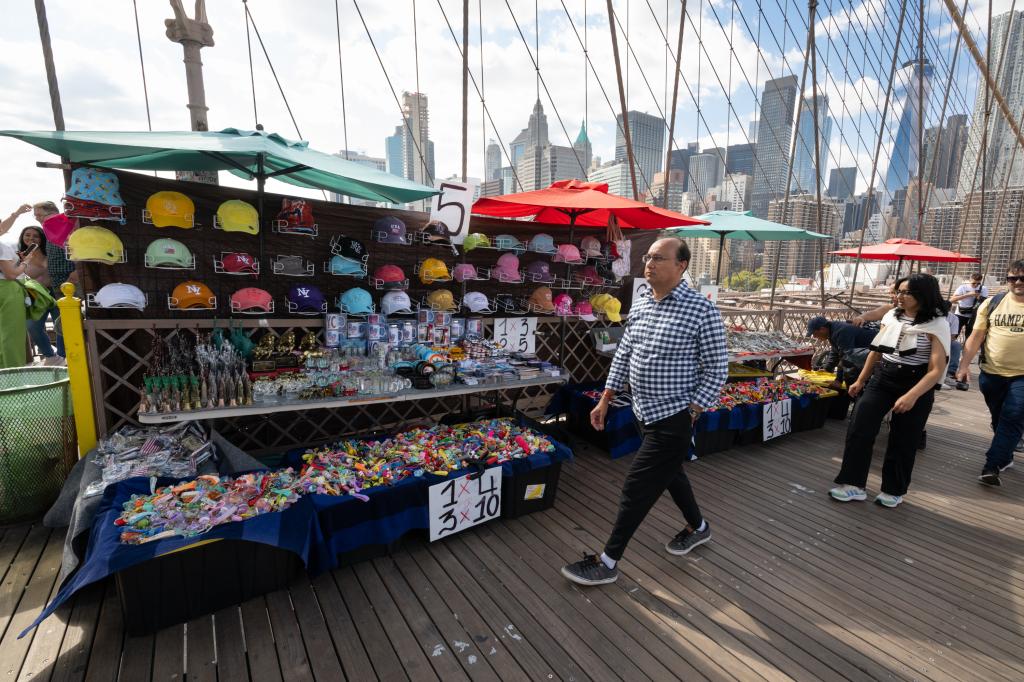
(347, 468)
(174, 451)
(764, 391)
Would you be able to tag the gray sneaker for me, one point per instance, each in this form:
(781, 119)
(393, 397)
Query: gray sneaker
(590, 571)
(686, 539)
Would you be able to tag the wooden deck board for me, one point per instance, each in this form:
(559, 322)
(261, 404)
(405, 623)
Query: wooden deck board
(792, 586)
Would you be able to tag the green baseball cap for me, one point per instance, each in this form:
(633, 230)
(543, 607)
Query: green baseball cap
(164, 253)
(475, 240)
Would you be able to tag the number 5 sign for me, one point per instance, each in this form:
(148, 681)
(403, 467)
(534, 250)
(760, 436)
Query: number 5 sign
(459, 503)
(516, 334)
(452, 206)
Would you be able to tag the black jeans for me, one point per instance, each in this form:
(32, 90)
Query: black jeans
(657, 466)
(888, 382)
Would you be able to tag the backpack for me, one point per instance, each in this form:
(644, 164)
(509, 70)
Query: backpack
(38, 300)
(996, 300)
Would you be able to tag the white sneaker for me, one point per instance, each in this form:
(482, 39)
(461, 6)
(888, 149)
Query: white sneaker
(1006, 466)
(848, 493)
(887, 500)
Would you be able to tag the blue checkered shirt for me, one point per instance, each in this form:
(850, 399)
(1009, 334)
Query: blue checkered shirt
(672, 353)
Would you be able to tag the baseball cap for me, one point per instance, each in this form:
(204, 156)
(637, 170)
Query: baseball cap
(169, 209)
(508, 303)
(293, 266)
(588, 275)
(590, 246)
(306, 298)
(815, 323)
(584, 310)
(356, 301)
(120, 295)
(348, 248)
(464, 272)
(389, 230)
(567, 253)
(607, 305)
(168, 253)
(238, 263)
(543, 243)
(251, 299)
(434, 270)
(476, 240)
(509, 243)
(541, 300)
(507, 268)
(235, 215)
(476, 301)
(563, 304)
(395, 302)
(295, 213)
(390, 277)
(539, 271)
(344, 266)
(95, 243)
(441, 299)
(192, 295)
(435, 232)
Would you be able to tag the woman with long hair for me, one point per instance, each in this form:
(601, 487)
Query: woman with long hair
(32, 252)
(906, 364)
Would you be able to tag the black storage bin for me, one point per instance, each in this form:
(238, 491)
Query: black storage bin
(750, 436)
(706, 442)
(199, 580)
(515, 488)
(813, 416)
(839, 407)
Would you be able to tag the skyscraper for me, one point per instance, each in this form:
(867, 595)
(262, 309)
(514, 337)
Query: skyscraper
(740, 159)
(705, 173)
(395, 159)
(944, 151)
(802, 258)
(907, 103)
(775, 130)
(647, 134)
(616, 175)
(527, 149)
(842, 182)
(584, 151)
(680, 160)
(1001, 140)
(492, 163)
(409, 152)
(804, 177)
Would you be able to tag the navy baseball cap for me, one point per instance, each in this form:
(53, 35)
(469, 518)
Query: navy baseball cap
(306, 298)
(816, 323)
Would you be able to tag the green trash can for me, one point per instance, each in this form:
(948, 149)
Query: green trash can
(37, 440)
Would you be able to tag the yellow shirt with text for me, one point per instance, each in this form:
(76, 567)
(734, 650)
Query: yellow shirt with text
(1004, 341)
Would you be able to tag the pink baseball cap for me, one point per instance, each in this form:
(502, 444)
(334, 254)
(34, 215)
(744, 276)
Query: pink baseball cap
(567, 253)
(251, 298)
(563, 304)
(588, 275)
(508, 266)
(464, 271)
(590, 246)
(585, 311)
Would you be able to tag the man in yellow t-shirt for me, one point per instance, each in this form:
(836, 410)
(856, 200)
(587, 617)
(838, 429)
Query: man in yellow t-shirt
(999, 328)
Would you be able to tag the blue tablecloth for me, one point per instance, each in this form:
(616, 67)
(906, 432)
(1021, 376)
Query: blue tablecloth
(620, 437)
(316, 528)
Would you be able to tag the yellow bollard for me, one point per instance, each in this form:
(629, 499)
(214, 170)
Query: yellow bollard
(78, 367)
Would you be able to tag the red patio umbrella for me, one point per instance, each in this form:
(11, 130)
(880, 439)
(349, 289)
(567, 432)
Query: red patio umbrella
(906, 249)
(573, 202)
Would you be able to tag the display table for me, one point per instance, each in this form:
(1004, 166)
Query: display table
(285, 405)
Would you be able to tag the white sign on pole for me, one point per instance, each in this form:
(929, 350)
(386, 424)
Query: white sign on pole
(460, 503)
(640, 286)
(515, 334)
(777, 419)
(452, 207)
(710, 292)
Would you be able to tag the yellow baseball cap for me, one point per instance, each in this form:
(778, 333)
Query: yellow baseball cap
(171, 209)
(441, 299)
(235, 215)
(607, 305)
(95, 243)
(434, 270)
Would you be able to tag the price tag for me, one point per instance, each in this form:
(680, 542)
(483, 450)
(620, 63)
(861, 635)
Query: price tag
(640, 287)
(452, 207)
(515, 334)
(777, 419)
(460, 503)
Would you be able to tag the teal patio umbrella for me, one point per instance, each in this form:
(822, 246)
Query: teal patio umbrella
(251, 154)
(741, 225)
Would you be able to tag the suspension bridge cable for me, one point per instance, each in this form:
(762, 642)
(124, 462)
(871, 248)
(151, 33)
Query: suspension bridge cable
(341, 77)
(273, 71)
(142, 64)
(252, 74)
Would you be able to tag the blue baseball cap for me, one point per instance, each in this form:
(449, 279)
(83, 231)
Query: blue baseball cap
(306, 298)
(344, 266)
(543, 243)
(356, 301)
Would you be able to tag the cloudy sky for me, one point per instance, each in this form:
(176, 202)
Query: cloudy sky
(97, 62)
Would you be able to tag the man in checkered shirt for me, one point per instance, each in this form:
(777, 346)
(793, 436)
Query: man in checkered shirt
(673, 356)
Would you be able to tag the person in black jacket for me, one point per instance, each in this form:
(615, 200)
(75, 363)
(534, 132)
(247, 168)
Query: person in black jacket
(849, 346)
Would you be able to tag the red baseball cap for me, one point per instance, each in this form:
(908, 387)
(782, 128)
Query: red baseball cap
(239, 262)
(251, 298)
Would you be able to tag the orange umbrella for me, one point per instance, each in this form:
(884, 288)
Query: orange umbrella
(906, 249)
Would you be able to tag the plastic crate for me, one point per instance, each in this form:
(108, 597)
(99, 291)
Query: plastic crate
(199, 580)
(814, 415)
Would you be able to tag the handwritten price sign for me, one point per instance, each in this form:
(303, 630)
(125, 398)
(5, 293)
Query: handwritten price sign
(516, 334)
(777, 419)
(460, 503)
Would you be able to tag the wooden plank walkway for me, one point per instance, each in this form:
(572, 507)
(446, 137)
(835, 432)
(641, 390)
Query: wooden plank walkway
(793, 586)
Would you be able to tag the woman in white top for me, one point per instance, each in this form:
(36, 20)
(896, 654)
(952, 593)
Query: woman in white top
(12, 309)
(32, 251)
(906, 364)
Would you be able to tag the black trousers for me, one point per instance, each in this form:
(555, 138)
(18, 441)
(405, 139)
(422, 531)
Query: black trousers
(887, 384)
(657, 466)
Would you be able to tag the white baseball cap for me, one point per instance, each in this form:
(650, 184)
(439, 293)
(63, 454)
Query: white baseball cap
(119, 295)
(476, 302)
(395, 302)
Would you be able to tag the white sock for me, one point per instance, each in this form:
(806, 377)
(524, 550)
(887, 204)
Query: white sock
(703, 526)
(608, 561)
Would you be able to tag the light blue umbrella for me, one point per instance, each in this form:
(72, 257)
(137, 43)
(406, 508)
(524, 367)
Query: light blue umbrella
(741, 225)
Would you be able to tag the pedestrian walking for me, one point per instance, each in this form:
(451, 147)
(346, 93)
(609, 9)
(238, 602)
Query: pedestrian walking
(968, 298)
(999, 335)
(56, 228)
(908, 360)
(673, 356)
(32, 253)
(12, 309)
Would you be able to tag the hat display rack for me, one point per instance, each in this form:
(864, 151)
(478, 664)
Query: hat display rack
(218, 266)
